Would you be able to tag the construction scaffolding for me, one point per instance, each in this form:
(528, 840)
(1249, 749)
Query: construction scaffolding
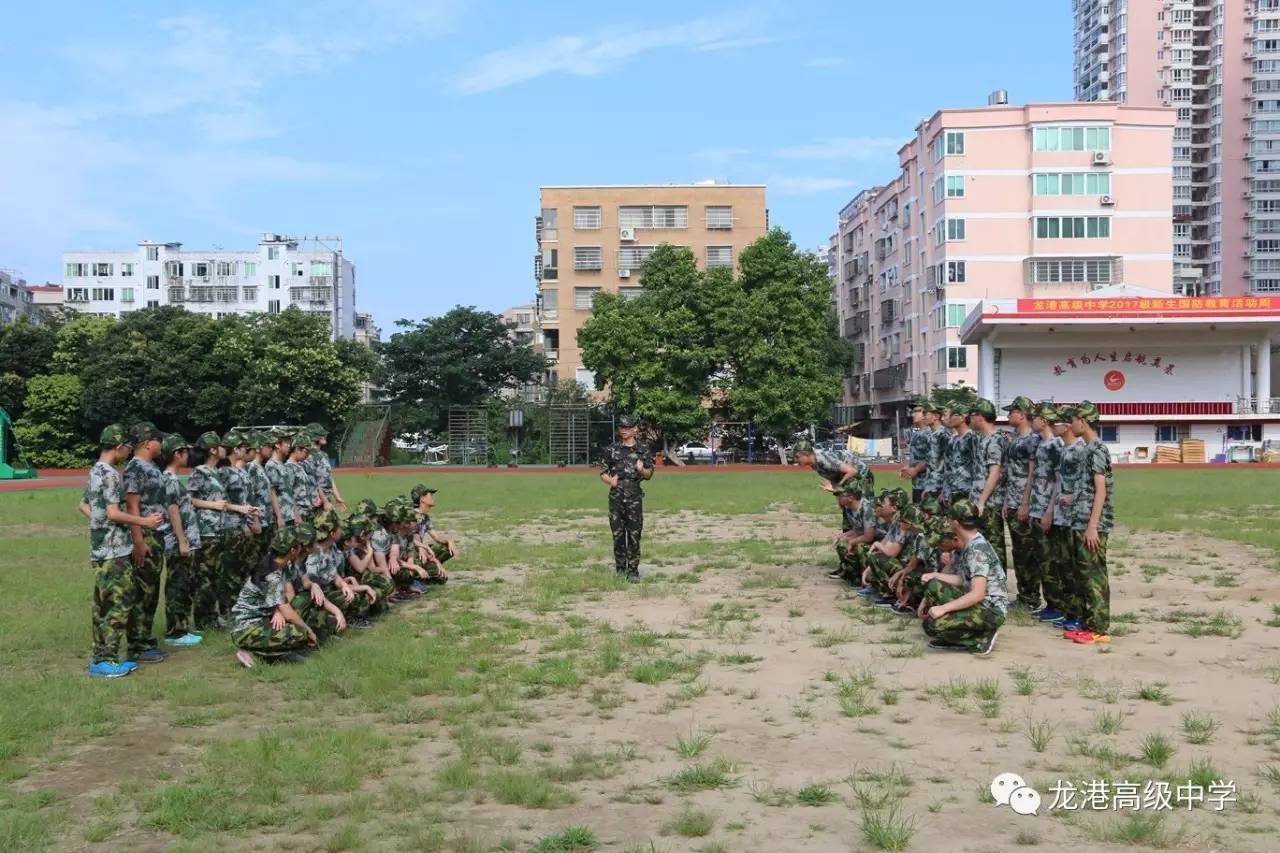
(366, 442)
(469, 437)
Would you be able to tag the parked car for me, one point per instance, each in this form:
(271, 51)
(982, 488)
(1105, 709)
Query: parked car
(694, 451)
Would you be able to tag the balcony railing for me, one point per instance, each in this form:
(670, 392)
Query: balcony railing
(314, 295)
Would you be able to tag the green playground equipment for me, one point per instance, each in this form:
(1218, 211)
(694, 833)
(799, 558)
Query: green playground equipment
(12, 467)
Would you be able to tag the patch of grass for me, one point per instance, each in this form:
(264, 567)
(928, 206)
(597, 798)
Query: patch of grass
(691, 823)
(1199, 728)
(739, 659)
(887, 829)
(1025, 681)
(1108, 722)
(826, 639)
(1156, 750)
(530, 789)
(1107, 692)
(1220, 624)
(701, 777)
(586, 764)
(1026, 838)
(575, 839)
(768, 795)
(1039, 733)
(1270, 773)
(1156, 692)
(769, 580)
(815, 795)
(694, 745)
(1141, 829)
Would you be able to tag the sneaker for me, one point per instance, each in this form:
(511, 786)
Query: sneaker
(187, 639)
(152, 656)
(947, 647)
(1036, 611)
(835, 574)
(107, 669)
(245, 659)
(1071, 635)
(985, 647)
(362, 622)
(130, 665)
(881, 601)
(1049, 614)
(864, 591)
(904, 609)
(419, 587)
(1091, 638)
(1070, 625)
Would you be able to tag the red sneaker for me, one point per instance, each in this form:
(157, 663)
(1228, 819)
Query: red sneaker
(1091, 638)
(1071, 635)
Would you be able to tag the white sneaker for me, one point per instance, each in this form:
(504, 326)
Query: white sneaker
(244, 658)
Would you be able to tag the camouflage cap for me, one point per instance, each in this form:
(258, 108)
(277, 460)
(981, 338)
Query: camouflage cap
(324, 525)
(144, 431)
(937, 532)
(1021, 404)
(959, 407)
(849, 490)
(912, 514)
(920, 403)
(366, 507)
(627, 422)
(1066, 412)
(965, 512)
(803, 446)
(209, 439)
(283, 540)
(356, 525)
(316, 430)
(263, 438)
(279, 434)
(404, 512)
(896, 497)
(1086, 412)
(391, 509)
(984, 407)
(932, 406)
(304, 532)
(113, 435)
(930, 506)
(173, 443)
(416, 493)
(235, 438)
(1047, 411)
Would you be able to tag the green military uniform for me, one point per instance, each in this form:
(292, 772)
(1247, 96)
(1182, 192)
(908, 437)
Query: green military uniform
(278, 478)
(829, 465)
(1047, 459)
(935, 474)
(883, 566)
(144, 479)
(989, 451)
(1094, 591)
(237, 529)
(256, 603)
(1026, 561)
(853, 557)
(626, 501)
(180, 578)
(299, 485)
(260, 496)
(1061, 546)
(320, 464)
(919, 449)
(205, 483)
(975, 627)
(378, 582)
(422, 523)
(960, 463)
(109, 551)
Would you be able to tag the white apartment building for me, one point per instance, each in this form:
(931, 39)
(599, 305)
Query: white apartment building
(310, 273)
(16, 299)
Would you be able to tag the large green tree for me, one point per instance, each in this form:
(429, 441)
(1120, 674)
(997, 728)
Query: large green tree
(460, 358)
(26, 350)
(51, 432)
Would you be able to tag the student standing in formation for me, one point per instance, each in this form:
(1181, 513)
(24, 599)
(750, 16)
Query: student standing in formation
(960, 466)
(625, 465)
(181, 545)
(145, 494)
(1043, 497)
(241, 530)
(322, 467)
(263, 496)
(988, 481)
(1060, 546)
(278, 477)
(297, 480)
(1092, 518)
(935, 470)
(919, 445)
(110, 552)
(208, 495)
(1019, 474)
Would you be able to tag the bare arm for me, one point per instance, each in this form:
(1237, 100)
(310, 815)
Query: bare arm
(175, 521)
(119, 516)
(993, 480)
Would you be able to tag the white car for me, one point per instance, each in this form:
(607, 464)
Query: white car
(694, 451)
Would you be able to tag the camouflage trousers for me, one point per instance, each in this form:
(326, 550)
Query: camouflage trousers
(235, 567)
(1027, 543)
(626, 521)
(112, 603)
(179, 591)
(914, 586)
(208, 577)
(1094, 590)
(970, 627)
(993, 530)
(382, 585)
(146, 598)
(853, 559)
(262, 640)
(882, 568)
(442, 554)
(1061, 577)
(321, 620)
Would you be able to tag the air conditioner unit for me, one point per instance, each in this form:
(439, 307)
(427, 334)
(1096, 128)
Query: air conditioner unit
(624, 273)
(1101, 158)
(1107, 201)
(626, 234)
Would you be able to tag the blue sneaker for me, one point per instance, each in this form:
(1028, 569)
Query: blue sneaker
(130, 665)
(1049, 614)
(1071, 625)
(152, 656)
(107, 669)
(864, 591)
(187, 639)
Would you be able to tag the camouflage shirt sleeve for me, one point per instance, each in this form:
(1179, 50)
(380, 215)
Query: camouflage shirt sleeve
(273, 590)
(133, 479)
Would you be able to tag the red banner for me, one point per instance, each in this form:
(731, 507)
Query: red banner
(1172, 304)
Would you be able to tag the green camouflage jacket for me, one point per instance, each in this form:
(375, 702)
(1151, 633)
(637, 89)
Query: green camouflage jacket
(107, 540)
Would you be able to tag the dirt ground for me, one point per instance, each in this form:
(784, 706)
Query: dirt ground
(802, 684)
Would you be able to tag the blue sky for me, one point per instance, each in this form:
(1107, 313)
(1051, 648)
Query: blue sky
(420, 130)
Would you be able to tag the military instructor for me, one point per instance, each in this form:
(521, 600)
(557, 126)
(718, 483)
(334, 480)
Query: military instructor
(625, 464)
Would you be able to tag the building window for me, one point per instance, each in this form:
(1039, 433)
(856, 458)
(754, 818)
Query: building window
(273, 282)
(588, 258)
(126, 270)
(102, 269)
(633, 257)
(104, 294)
(1072, 227)
(582, 297)
(629, 293)
(1167, 433)
(955, 272)
(153, 282)
(655, 216)
(153, 303)
(955, 229)
(77, 270)
(955, 142)
(550, 304)
(273, 253)
(199, 270)
(957, 358)
(77, 294)
(1055, 270)
(250, 268)
(273, 306)
(296, 267)
(719, 257)
(955, 186)
(956, 314)
(1072, 138)
(226, 268)
(586, 218)
(550, 264)
(1108, 434)
(153, 253)
(719, 216)
(126, 294)
(549, 226)
(1078, 183)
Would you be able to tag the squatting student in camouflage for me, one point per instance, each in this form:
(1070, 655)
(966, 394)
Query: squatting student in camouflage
(110, 550)
(859, 523)
(263, 623)
(1092, 518)
(625, 465)
(972, 609)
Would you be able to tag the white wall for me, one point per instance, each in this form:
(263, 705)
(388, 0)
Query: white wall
(1200, 373)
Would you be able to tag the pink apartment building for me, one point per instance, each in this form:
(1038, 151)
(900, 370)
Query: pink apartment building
(994, 203)
(1217, 63)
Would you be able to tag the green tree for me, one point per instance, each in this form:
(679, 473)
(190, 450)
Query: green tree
(458, 359)
(51, 432)
(657, 353)
(26, 350)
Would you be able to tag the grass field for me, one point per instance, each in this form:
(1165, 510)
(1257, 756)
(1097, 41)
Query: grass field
(735, 700)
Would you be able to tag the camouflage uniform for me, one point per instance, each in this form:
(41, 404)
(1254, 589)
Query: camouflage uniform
(1094, 592)
(441, 552)
(378, 582)
(935, 474)
(829, 465)
(1061, 547)
(298, 483)
(973, 626)
(1026, 562)
(206, 484)
(143, 478)
(278, 478)
(260, 496)
(1048, 456)
(919, 449)
(238, 532)
(853, 558)
(180, 580)
(960, 466)
(990, 450)
(109, 552)
(882, 565)
(250, 619)
(626, 503)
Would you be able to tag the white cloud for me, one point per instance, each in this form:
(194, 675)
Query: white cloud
(809, 186)
(586, 56)
(844, 148)
(825, 62)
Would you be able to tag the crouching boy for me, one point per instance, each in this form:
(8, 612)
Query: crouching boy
(263, 624)
(859, 522)
(969, 615)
